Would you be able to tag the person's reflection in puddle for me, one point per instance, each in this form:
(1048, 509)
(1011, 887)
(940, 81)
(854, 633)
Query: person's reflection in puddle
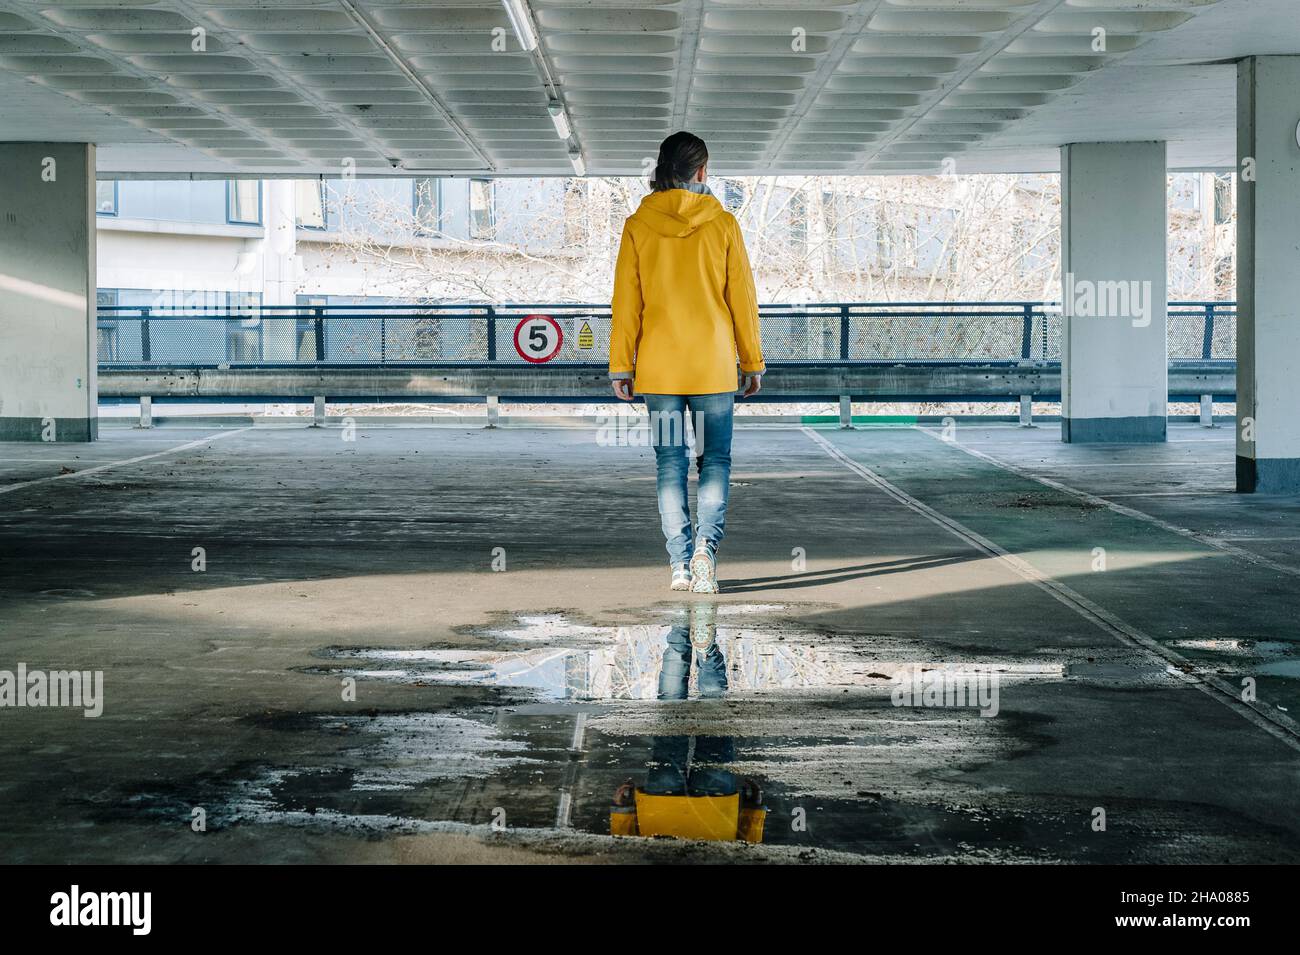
(686, 793)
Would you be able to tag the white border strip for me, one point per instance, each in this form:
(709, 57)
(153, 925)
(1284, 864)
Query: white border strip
(7, 488)
(1206, 539)
(1275, 724)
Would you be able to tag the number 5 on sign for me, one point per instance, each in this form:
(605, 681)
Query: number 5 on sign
(538, 338)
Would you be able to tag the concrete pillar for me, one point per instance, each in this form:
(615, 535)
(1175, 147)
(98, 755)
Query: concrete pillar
(846, 412)
(1026, 411)
(1268, 275)
(146, 411)
(279, 266)
(48, 341)
(1115, 366)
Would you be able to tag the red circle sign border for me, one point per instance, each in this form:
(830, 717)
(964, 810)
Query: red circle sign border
(559, 332)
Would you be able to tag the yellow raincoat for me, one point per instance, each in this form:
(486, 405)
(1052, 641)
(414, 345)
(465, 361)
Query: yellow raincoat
(684, 302)
(689, 817)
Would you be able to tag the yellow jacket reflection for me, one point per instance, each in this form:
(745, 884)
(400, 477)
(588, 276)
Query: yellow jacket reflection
(721, 817)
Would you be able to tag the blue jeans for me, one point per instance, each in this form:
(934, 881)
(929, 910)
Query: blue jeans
(675, 674)
(671, 771)
(711, 416)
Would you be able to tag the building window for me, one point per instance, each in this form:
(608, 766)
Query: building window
(1223, 205)
(797, 216)
(833, 208)
(884, 245)
(106, 198)
(244, 202)
(309, 204)
(426, 203)
(482, 209)
(908, 247)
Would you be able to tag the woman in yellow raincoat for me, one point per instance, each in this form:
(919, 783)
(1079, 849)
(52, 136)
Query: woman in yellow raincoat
(685, 313)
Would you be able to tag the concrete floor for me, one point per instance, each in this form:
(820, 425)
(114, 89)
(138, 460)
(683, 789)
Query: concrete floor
(523, 697)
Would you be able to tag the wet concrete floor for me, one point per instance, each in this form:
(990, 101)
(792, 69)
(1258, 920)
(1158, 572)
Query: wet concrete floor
(436, 644)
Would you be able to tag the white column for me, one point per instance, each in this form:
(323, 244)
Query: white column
(279, 267)
(1115, 366)
(48, 346)
(1268, 275)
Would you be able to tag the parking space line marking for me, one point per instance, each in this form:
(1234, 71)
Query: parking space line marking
(1277, 725)
(1207, 539)
(117, 464)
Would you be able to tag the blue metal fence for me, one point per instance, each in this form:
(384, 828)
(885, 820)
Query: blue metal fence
(485, 335)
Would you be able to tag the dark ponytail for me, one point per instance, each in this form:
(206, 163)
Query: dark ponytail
(680, 157)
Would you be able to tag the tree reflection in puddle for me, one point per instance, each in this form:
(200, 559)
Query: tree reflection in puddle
(629, 663)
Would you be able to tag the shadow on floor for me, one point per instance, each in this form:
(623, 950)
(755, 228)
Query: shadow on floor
(835, 575)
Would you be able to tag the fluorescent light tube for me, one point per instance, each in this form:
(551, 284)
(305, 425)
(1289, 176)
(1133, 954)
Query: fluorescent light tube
(521, 23)
(558, 117)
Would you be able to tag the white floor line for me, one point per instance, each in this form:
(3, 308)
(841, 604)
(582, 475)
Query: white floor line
(1208, 540)
(564, 811)
(1275, 724)
(579, 733)
(5, 489)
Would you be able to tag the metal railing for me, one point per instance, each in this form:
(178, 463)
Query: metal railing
(845, 333)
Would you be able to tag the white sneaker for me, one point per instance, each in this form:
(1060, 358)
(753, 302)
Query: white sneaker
(681, 578)
(703, 571)
(704, 625)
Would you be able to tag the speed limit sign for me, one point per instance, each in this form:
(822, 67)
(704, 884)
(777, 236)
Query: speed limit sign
(538, 338)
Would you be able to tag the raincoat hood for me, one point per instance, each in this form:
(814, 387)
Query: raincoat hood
(676, 213)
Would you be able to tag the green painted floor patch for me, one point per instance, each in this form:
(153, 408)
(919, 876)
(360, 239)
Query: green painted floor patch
(903, 419)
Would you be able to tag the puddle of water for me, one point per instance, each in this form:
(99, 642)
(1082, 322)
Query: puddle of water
(548, 626)
(1122, 673)
(556, 626)
(654, 661)
(550, 777)
(1245, 656)
(410, 748)
(552, 770)
(1238, 646)
(628, 669)
(826, 772)
(1287, 668)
